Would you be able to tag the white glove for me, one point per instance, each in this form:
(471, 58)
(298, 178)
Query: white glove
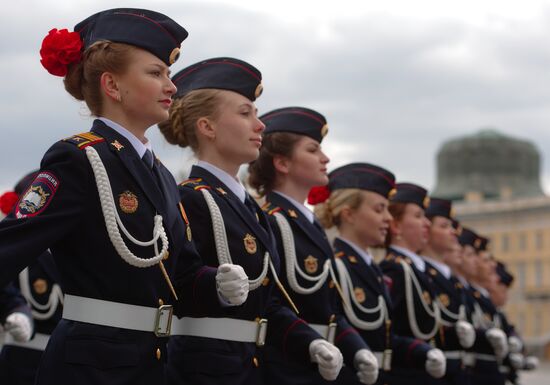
(531, 363)
(466, 334)
(367, 366)
(436, 363)
(497, 339)
(328, 357)
(516, 360)
(20, 326)
(232, 283)
(515, 345)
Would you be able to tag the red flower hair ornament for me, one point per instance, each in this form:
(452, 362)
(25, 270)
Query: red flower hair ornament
(60, 48)
(7, 201)
(318, 195)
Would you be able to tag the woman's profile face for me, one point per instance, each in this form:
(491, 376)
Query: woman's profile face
(145, 89)
(237, 129)
(413, 227)
(307, 165)
(442, 235)
(371, 220)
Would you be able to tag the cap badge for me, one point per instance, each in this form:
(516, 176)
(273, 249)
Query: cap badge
(426, 202)
(324, 130)
(392, 193)
(258, 91)
(174, 56)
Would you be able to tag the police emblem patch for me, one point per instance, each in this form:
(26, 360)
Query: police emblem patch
(128, 202)
(310, 264)
(359, 294)
(40, 286)
(38, 196)
(250, 244)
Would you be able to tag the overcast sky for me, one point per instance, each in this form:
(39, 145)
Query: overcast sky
(394, 79)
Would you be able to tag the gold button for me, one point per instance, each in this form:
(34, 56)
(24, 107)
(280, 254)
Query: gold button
(265, 282)
(256, 362)
(161, 302)
(158, 354)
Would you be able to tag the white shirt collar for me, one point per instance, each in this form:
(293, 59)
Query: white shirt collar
(482, 290)
(134, 141)
(440, 266)
(418, 261)
(363, 253)
(232, 184)
(300, 206)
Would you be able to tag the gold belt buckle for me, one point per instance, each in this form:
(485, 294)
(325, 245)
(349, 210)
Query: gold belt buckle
(163, 320)
(331, 332)
(261, 332)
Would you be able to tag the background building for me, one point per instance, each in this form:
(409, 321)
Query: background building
(494, 181)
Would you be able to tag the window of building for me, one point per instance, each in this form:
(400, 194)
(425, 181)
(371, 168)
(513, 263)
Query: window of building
(539, 240)
(505, 244)
(521, 274)
(537, 327)
(539, 273)
(522, 243)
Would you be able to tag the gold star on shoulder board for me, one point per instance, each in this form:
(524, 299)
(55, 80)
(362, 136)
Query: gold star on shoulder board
(432, 271)
(221, 191)
(116, 144)
(292, 213)
(352, 259)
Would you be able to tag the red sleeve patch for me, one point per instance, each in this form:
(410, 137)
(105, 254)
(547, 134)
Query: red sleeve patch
(38, 196)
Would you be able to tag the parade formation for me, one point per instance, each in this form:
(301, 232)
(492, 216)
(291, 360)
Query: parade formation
(113, 272)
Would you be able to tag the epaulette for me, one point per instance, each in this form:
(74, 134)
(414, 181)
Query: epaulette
(339, 254)
(195, 183)
(84, 140)
(270, 208)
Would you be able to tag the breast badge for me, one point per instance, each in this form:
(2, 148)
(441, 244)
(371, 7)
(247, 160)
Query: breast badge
(128, 202)
(40, 286)
(427, 297)
(311, 265)
(444, 299)
(359, 294)
(250, 244)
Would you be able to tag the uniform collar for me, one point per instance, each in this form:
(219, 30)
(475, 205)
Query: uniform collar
(417, 260)
(300, 206)
(232, 184)
(482, 290)
(364, 254)
(463, 281)
(134, 141)
(440, 266)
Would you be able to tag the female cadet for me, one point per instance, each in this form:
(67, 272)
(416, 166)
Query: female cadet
(39, 285)
(232, 295)
(291, 162)
(110, 219)
(458, 333)
(357, 204)
(411, 291)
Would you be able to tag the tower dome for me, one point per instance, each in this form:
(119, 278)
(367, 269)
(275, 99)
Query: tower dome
(489, 164)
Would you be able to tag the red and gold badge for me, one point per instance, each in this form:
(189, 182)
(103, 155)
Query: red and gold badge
(128, 202)
(310, 264)
(444, 299)
(250, 244)
(427, 297)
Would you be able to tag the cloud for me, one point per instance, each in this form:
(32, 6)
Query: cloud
(392, 87)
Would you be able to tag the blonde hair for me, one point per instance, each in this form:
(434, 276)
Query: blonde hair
(329, 211)
(180, 128)
(83, 78)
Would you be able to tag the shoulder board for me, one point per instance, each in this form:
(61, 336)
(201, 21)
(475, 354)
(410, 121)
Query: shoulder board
(84, 140)
(270, 208)
(339, 254)
(195, 183)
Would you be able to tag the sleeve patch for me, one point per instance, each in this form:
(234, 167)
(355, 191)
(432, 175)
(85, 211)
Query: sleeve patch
(38, 196)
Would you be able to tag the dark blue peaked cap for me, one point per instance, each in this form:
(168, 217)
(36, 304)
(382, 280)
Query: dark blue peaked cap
(467, 237)
(440, 207)
(297, 120)
(411, 193)
(363, 176)
(223, 73)
(149, 30)
(503, 274)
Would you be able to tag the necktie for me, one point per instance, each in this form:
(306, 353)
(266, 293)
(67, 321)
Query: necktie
(148, 159)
